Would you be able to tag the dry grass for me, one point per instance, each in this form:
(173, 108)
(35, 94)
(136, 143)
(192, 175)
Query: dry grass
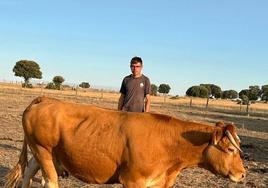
(114, 96)
(253, 131)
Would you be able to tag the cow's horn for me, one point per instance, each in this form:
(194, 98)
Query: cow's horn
(237, 137)
(231, 138)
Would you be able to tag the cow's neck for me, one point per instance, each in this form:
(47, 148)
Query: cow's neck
(193, 140)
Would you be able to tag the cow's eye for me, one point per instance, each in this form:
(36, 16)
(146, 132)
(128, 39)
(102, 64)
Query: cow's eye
(230, 150)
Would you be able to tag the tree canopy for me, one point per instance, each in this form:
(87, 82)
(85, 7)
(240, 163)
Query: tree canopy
(229, 94)
(197, 91)
(164, 88)
(84, 85)
(154, 89)
(213, 90)
(253, 93)
(27, 69)
(58, 80)
(264, 93)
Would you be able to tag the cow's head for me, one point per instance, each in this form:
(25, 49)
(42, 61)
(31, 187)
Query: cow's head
(223, 154)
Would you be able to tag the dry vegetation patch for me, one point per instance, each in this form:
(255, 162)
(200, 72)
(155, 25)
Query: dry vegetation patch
(253, 131)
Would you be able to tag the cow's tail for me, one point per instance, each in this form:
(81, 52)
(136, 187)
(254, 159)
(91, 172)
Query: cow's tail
(12, 179)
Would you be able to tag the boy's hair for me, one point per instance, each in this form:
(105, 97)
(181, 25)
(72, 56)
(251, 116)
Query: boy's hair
(135, 60)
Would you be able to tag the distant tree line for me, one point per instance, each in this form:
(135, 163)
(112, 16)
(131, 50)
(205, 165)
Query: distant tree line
(252, 94)
(30, 69)
(162, 88)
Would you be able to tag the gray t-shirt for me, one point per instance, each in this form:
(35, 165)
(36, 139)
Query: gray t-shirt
(135, 90)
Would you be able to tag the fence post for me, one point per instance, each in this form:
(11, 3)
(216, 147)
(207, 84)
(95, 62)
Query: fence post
(41, 88)
(101, 93)
(207, 102)
(76, 91)
(248, 108)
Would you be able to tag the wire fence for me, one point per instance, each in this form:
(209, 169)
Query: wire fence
(110, 96)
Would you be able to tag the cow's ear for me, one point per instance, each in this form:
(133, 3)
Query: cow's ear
(220, 124)
(216, 136)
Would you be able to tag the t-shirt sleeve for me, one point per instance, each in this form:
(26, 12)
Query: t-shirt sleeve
(123, 87)
(147, 87)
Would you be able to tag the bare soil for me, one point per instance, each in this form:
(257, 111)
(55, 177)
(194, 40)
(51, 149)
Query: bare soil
(252, 129)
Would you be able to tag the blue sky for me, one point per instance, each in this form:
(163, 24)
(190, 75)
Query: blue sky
(182, 43)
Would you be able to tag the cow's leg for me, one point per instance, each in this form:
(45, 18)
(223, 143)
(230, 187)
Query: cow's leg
(44, 158)
(131, 179)
(172, 174)
(29, 172)
(171, 180)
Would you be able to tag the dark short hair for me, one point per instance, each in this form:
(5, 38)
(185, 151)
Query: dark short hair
(135, 60)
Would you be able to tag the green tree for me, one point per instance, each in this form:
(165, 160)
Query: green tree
(197, 91)
(213, 90)
(203, 92)
(164, 88)
(154, 89)
(84, 85)
(58, 80)
(27, 69)
(244, 92)
(51, 85)
(208, 86)
(229, 94)
(264, 93)
(193, 91)
(254, 92)
(245, 99)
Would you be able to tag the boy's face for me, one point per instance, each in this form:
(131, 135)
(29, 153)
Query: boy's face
(136, 68)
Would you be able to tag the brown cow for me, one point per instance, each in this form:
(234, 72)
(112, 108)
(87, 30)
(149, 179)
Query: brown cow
(98, 145)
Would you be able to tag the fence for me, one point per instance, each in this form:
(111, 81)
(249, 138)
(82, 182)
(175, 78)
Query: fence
(181, 103)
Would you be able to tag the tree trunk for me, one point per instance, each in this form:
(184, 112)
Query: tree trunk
(191, 100)
(26, 82)
(207, 102)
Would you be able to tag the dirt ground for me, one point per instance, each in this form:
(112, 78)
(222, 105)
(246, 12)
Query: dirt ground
(253, 131)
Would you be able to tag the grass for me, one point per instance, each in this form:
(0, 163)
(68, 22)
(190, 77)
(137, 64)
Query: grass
(217, 105)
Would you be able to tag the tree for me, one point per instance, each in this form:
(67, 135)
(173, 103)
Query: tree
(51, 85)
(229, 94)
(244, 99)
(27, 70)
(244, 92)
(197, 91)
(58, 80)
(213, 90)
(84, 85)
(254, 92)
(164, 88)
(154, 89)
(216, 91)
(193, 91)
(203, 92)
(264, 93)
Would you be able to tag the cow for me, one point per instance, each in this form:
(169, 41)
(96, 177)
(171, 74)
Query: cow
(104, 146)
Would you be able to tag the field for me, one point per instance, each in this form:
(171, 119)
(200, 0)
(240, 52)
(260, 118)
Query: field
(252, 128)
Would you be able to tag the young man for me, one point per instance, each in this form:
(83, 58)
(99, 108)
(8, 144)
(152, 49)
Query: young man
(135, 89)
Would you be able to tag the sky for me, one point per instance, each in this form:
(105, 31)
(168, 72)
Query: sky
(182, 42)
